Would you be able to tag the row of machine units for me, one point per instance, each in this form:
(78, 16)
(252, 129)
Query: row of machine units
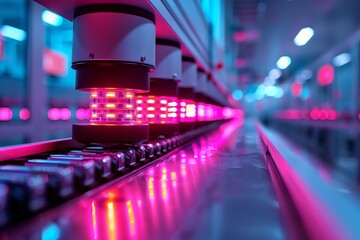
(140, 87)
(146, 99)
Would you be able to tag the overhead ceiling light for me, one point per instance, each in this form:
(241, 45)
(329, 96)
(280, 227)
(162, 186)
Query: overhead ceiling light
(341, 59)
(260, 91)
(283, 62)
(51, 18)
(280, 93)
(13, 33)
(304, 75)
(269, 81)
(304, 36)
(271, 91)
(237, 94)
(275, 73)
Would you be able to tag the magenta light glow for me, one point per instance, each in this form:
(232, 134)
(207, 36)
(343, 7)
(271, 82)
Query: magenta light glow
(322, 114)
(65, 114)
(55, 114)
(229, 113)
(157, 109)
(201, 112)
(217, 113)
(209, 112)
(24, 114)
(6, 114)
(296, 89)
(187, 110)
(82, 114)
(325, 75)
(112, 106)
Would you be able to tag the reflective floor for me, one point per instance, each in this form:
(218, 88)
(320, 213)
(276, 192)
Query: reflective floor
(218, 187)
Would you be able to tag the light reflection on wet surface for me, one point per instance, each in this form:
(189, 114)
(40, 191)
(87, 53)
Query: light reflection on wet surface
(215, 188)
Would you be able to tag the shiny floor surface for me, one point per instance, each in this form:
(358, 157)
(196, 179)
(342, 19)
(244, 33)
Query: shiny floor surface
(217, 187)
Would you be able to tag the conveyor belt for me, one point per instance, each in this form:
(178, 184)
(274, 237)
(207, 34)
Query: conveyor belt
(216, 187)
(320, 206)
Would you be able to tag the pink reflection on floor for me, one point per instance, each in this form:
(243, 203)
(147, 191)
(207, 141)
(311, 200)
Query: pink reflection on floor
(154, 204)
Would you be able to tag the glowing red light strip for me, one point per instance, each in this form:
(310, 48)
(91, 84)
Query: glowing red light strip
(157, 109)
(112, 106)
(187, 110)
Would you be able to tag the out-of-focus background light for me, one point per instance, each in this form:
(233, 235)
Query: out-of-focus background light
(304, 36)
(283, 62)
(52, 18)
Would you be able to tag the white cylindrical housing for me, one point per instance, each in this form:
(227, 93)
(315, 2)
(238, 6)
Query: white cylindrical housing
(114, 36)
(189, 73)
(201, 83)
(168, 60)
(211, 89)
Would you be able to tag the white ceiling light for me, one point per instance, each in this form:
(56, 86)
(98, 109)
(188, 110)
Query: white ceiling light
(237, 94)
(275, 73)
(271, 91)
(13, 33)
(304, 36)
(341, 59)
(283, 62)
(52, 18)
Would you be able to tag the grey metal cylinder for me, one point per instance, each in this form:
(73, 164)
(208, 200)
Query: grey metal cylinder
(189, 72)
(201, 83)
(168, 60)
(119, 33)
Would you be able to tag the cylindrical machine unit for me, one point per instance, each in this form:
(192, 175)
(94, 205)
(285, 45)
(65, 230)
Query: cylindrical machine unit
(200, 92)
(209, 106)
(159, 107)
(216, 106)
(113, 52)
(187, 105)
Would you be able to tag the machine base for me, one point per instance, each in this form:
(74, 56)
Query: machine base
(165, 130)
(186, 126)
(110, 133)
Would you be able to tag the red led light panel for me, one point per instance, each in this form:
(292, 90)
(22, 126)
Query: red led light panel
(201, 111)
(112, 106)
(157, 109)
(187, 110)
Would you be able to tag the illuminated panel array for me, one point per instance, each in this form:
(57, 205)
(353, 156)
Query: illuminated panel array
(228, 113)
(209, 112)
(187, 111)
(157, 109)
(201, 111)
(216, 113)
(212, 113)
(112, 106)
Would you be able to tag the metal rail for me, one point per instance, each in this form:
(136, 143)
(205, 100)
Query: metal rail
(323, 211)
